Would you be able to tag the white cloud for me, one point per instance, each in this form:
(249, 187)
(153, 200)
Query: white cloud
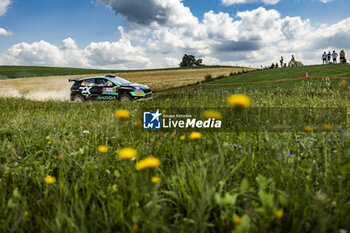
(4, 32)
(4, 5)
(119, 55)
(210, 61)
(171, 62)
(253, 37)
(270, 2)
(69, 44)
(326, 1)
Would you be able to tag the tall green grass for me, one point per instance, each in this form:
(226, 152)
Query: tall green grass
(223, 182)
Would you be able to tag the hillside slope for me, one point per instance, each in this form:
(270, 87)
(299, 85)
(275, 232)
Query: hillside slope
(336, 70)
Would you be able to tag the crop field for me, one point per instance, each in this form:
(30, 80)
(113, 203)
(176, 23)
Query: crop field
(13, 72)
(89, 167)
(57, 87)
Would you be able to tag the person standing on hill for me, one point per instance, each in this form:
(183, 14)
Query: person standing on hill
(292, 61)
(329, 57)
(281, 61)
(342, 57)
(334, 56)
(324, 58)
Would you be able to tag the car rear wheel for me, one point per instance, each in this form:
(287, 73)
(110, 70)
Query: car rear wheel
(125, 98)
(78, 98)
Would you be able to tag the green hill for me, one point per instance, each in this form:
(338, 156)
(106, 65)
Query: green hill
(336, 70)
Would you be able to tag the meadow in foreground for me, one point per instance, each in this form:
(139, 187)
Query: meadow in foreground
(68, 167)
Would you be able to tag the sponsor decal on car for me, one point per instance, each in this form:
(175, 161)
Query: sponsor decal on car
(109, 89)
(137, 93)
(85, 90)
(107, 97)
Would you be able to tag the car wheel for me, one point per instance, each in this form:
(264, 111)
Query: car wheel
(125, 98)
(78, 98)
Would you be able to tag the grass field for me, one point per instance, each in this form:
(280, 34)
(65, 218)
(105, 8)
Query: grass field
(222, 182)
(332, 70)
(57, 87)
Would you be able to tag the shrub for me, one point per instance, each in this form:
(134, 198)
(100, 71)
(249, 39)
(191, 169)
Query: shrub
(208, 77)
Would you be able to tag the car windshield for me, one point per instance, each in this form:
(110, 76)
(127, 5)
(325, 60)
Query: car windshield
(119, 80)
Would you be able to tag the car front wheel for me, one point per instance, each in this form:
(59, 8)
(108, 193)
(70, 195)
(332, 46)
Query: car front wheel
(78, 98)
(125, 98)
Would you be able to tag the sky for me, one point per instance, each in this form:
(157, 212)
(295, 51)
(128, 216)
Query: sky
(141, 34)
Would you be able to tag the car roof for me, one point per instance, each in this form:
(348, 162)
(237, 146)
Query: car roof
(93, 77)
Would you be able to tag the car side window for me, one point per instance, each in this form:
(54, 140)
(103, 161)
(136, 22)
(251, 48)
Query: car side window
(90, 82)
(101, 82)
(110, 84)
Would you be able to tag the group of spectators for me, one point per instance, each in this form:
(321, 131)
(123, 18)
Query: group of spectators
(326, 57)
(291, 63)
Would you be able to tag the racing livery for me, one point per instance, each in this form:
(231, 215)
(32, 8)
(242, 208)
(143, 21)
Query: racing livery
(107, 87)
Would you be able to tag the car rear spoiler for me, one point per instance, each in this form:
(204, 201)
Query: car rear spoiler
(73, 79)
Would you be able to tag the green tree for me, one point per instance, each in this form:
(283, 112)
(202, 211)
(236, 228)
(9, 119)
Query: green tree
(190, 61)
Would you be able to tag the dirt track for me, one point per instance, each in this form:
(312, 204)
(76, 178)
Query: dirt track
(57, 87)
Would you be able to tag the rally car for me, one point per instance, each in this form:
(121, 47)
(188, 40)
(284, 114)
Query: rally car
(107, 87)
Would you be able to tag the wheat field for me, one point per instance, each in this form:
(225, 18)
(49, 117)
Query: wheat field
(57, 87)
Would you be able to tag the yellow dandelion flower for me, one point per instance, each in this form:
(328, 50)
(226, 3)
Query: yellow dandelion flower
(163, 111)
(60, 158)
(237, 220)
(127, 153)
(212, 114)
(155, 179)
(49, 142)
(343, 84)
(279, 214)
(183, 137)
(138, 124)
(339, 154)
(102, 149)
(278, 128)
(135, 227)
(26, 213)
(150, 162)
(122, 114)
(107, 138)
(167, 100)
(195, 136)
(328, 127)
(308, 128)
(239, 101)
(50, 180)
